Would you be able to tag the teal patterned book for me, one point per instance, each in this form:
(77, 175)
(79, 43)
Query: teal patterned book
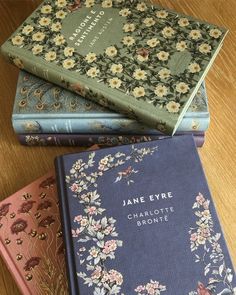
(140, 220)
(131, 56)
(42, 107)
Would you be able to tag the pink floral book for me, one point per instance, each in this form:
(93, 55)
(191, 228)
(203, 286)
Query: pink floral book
(31, 239)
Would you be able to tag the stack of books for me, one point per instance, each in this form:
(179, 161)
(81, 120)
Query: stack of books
(135, 220)
(45, 114)
(144, 62)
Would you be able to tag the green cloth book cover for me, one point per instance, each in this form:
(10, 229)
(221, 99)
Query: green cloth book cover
(131, 56)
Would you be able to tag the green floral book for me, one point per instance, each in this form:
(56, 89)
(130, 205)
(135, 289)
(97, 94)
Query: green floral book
(134, 57)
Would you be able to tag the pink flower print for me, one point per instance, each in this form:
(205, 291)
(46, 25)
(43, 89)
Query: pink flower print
(45, 205)
(201, 240)
(49, 182)
(101, 167)
(200, 199)
(150, 289)
(97, 227)
(155, 284)
(47, 221)
(140, 289)
(202, 290)
(78, 218)
(112, 276)
(104, 161)
(75, 233)
(105, 276)
(126, 172)
(193, 237)
(102, 164)
(92, 210)
(109, 247)
(119, 280)
(84, 221)
(74, 187)
(205, 232)
(77, 165)
(18, 226)
(143, 52)
(115, 277)
(108, 230)
(96, 274)
(78, 89)
(26, 207)
(31, 263)
(4, 209)
(94, 252)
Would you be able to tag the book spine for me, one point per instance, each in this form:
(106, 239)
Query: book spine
(89, 140)
(49, 73)
(13, 269)
(199, 141)
(194, 124)
(66, 228)
(101, 125)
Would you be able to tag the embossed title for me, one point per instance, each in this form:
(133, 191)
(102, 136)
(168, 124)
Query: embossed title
(155, 216)
(88, 24)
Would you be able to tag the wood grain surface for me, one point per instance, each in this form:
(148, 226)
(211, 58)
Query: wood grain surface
(21, 165)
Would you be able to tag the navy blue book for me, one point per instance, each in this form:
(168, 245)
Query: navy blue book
(139, 220)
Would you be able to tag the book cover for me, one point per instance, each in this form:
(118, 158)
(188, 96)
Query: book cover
(87, 140)
(42, 107)
(139, 220)
(131, 56)
(31, 238)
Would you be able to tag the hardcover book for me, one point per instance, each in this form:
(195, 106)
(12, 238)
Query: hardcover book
(42, 107)
(139, 219)
(132, 56)
(31, 238)
(87, 140)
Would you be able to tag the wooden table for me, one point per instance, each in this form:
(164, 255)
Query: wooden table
(21, 165)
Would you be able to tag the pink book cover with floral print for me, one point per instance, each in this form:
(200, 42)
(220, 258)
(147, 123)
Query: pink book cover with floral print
(31, 239)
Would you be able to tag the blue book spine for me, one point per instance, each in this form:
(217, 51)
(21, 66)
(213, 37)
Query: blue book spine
(100, 125)
(89, 140)
(41, 107)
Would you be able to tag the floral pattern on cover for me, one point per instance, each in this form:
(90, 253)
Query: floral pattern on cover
(35, 95)
(93, 226)
(151, 288)
(205, 244)
(126, 174)
(30, 230)
(152, 35)
(87, 141)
